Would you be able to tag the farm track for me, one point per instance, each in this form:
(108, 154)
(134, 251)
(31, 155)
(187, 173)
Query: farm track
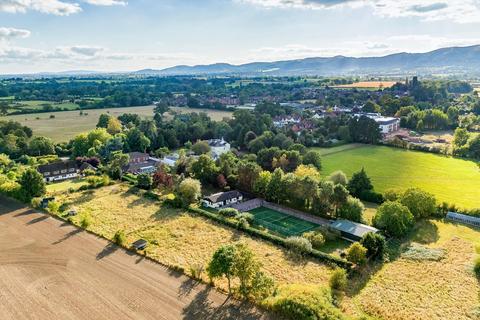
(52, 270)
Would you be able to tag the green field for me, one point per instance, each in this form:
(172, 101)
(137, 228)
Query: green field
(449, 179)
(281, 223)
(68, 124)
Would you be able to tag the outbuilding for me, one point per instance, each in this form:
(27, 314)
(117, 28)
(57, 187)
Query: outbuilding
(352, 231)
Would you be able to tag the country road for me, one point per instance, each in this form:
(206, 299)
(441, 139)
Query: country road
(52, 270)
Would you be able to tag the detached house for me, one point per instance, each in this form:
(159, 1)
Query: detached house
(140, 162)
(218, 147)
(58, 171)
(222, 199)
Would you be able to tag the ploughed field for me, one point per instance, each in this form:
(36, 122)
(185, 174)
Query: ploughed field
(449, 179)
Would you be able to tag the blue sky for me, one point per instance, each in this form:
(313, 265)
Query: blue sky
(116, 35)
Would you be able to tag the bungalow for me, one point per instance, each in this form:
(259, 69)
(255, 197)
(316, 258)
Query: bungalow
(222, 199)
(352, 231)
(58, 171)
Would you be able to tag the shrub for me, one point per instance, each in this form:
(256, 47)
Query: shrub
(375, 244)
(120, 238)
(299, 245)
(338, 177)
(85, 221)
(35, 202)
(316, 238)
(338, 280)
(420, 203)
(352, 210)
(371, 196)
(53, 207)
(242, 223)
(246, 216)
(228, 212)
(144, 181)
(357, 253)
(476, 266)
(391, 195)
(394, 218)
(304, 302)
(196, 270)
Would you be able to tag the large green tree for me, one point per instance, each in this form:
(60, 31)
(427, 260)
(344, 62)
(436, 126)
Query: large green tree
(32, 184)
(394, 218)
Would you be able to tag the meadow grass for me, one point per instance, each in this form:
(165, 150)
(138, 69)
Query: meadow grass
(449, 179)
(180, 239)
(68, 124)
(427, 289)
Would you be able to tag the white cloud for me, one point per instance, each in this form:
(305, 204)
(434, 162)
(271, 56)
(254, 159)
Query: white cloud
(10, 33)
(106, 2)
(460, 11)
(56, 7)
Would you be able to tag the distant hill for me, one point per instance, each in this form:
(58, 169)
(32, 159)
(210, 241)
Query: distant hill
(454, 60)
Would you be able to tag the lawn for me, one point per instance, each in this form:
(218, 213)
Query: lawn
(424, 289)
(449, 179)
(180, 239)
(68, 124)
(65, 186)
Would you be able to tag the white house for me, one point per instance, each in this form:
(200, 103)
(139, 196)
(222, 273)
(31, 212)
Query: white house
(388, 124)
(218, 147)
(222, 199)
(59, 171)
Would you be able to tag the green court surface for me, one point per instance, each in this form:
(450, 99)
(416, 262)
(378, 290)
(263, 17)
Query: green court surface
(281, 223)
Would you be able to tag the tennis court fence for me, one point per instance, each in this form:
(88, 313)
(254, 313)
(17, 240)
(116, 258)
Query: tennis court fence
(257, 203)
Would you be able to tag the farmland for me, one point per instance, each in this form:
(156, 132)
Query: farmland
(427, 288)
(67, 124)
(179, 239)
(368, 85)
(449, 179)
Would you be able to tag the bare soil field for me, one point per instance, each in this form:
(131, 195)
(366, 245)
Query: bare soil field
(51, 270)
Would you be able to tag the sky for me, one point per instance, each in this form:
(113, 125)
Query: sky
(126, 35)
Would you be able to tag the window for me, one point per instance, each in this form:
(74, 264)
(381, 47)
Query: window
(56, 172)
(71, 170)
(64, 171)
(46, 174)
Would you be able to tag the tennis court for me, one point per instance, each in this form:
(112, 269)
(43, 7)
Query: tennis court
(281, 223)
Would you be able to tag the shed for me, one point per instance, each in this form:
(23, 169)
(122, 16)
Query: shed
(352, 231)
(463, 218)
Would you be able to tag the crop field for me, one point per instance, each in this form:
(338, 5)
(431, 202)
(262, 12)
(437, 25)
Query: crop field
(449, 179)
(216, 115)
(281, 223)
(180, 239)
(68, 124)
(431, 286)
(369, 85)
